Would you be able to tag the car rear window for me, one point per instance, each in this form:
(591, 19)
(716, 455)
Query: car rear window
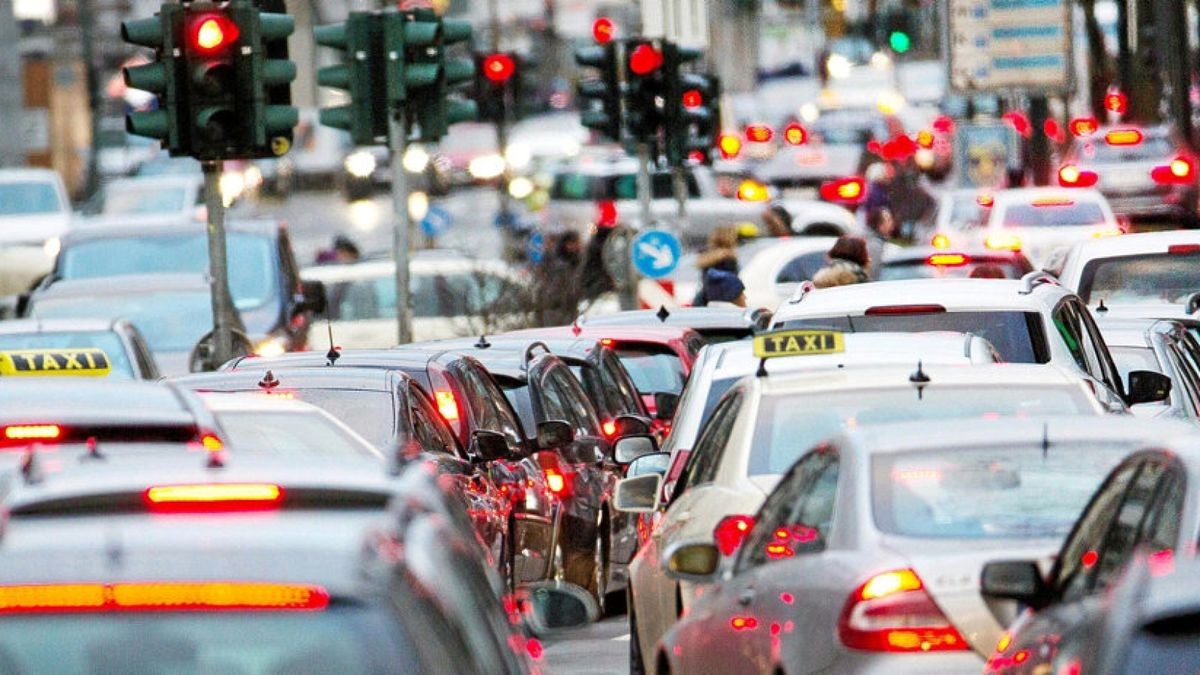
(369, 413)
(1151, 147)
(988, 493)
(572, 186)
(1157, 277)
(789, 425)
(25, 198)
(922, 269)
(653, 369)
(1056, 213)
(290, 435)
(1017, 336)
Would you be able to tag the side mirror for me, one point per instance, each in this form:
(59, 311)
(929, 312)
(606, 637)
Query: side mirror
(696, 562)
(550, 607)
(654, 463)
(1147, 386)
(631, 448)
(665, 405)
(553, 434)
(631, 425)
(312, 298)
(638, 494)
(21, 307)
(1015, 580)
(488, 446)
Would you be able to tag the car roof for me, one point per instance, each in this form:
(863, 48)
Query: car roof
(248, 376)
(876, 377)
(223, 402)
(953, 294)
(568, 348)
(661, 334)
(114, 227)
(166, 181)
(385, 359)
(1133, 244)
(419, 264)
(698, 318)
(1025, 195)
(27, 174)
(50, 400)
(30, 326)
(1122, 331)
(124, 284)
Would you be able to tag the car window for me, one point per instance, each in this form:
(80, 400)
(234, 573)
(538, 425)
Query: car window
(130, 200)
(801, 268)
(488, 404)
(292, 435)
(429, 428)
(705, 458)
(1099, 360)
(1130, 359)
(1162, 531)
(797, 516)
(1071, 333)
(654, 368)
(1124, 534)
(19, 198)
(576, 408)
(1054, 213)
(617, 382)
(1158, 277)
(1080, 553)
(1184, 382)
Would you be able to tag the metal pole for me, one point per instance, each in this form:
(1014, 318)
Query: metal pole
(402, 233)
(218, 268)
(629, 299)
(1039, 143)
(502, 123)
(87, 20)
(12, 96)
(679, 186)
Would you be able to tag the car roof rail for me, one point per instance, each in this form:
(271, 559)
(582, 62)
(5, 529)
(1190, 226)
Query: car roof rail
(528, 355)
(1034, 279)
(801, 291)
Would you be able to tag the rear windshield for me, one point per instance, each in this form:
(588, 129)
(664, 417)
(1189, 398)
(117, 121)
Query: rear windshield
(921, 269)
(290, 435)
(369, 413)
(106, 341)
(434, 296)
(588, 187)
(985, 493)
(1064, 213)
(965, 211)
(788, 426)
(1157, 277)
(1017, 336)
(29, 198)
(1151, 148)
(145, 200)
(653, 370)
(347, 640)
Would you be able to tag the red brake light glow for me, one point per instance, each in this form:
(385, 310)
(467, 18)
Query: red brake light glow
(883, 310)
(947, 260)
(555, 480)
(160, 597)
(730, 532)
(1123, 137)
(1002, 241)
(729, 145)
(844, 190)
(1072, 176)
(447, 405)
(1183, 249)
(1116, 101)
(609, 428)
(213, 496)
(212, 33)
(759, 133)
(752, 191)
(892, 612)
(1180, 171)
(940, 241)
(32, 432)
(795, 134)
(1084, 126)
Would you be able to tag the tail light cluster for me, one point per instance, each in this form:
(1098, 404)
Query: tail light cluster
(1072, 176)
(1181, 171)
(892, 612)
(446, 400)
(207, 497)
(849, 191)
(1002, 241)
(730, 532)
(558, 477)
(157, 596)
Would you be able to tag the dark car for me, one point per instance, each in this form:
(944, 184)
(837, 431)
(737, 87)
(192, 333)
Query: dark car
(714, 324)
(275, 306)
(1149, 501)
(927, 262)
(392, 411)
(247, 566)
(467, 398)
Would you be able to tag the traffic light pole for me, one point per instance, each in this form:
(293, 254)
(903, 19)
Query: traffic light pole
(679, 186)
(629, 299)
(218, 268)
(402, 233)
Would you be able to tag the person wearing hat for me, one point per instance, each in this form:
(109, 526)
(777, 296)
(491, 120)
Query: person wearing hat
(721, 286)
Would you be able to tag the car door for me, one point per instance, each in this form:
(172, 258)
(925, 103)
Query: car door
(1083, 352)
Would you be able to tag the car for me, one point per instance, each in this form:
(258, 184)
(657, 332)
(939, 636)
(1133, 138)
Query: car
(866, 555)
(469, 401)
(928, 262)
(1146, 274)
(172, 311)
(121, 342)
(367, 169)
(713, 324)
(35, 212)
(275, 305)
(1162, 346)
(960, 212)
(764, 423)
(248, 565)
(1039, 221)
(1033, 320)
(1147, 502)
(1142, 171)
(1145, 624)
(179, 196)
(452, 296)
(285, 426)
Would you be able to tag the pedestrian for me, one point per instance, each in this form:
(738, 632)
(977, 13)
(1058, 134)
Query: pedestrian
(721, 251)
(777, 220)
(879, 179)
(558, 286)
(721, 286)
(343, 251)
(988, 271)
(848, 264)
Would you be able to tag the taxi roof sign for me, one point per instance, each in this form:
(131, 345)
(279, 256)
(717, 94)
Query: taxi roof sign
(89, 362)
(798, 343)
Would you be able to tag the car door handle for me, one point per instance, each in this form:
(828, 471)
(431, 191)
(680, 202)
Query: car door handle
(746, 597)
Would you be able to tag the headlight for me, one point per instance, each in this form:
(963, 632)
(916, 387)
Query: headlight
(486, 167)
(839, 66)
(52, 246)
(360, 164)
(233, 184)
(271, 347)
(415, 159)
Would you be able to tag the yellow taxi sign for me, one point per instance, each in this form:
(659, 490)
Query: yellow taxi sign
(42, 362)
(798, 343)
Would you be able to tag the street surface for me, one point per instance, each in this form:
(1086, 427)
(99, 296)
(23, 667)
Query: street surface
(599, 649)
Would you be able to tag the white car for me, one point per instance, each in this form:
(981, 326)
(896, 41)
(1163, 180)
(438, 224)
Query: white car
(452, 296)
(34, 213)
(1031, 320)
(265, 424)
(1039, 221)
(960, 214)
(181, 196)
(1153, 274)
(867, 556)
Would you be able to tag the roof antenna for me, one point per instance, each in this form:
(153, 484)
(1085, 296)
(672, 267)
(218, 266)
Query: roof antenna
(575, 328)
(31, 467)
(919, 378)
(663, 313)
(93, 451)
(483, 343)
(1045, 439)
(333, 354)
(215, 459)
(269, 381)
(762, 368)
(1101, 307)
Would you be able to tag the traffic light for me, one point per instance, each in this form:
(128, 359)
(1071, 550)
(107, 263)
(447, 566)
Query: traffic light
(496, 79)
(601, 96)
(274, 72)
(423, 80)
(645, 94)
(361, 76)
(687, 111)
(218, 109)
(162, 77)
(900, 41)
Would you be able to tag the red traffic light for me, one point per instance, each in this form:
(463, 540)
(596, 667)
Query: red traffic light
(1084, 126)
(692, 98)
(604, 30)
(645, 59)
(1116, 101)
(759, 133)
(795, 134)
(213, 32)
(499, 67)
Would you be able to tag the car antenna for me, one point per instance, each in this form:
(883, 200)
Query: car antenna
(269, 381)
(920, 378)
(1101, 307)
(93, 451)
(483, 343)
(663, 313)
(333, 354)
(31, 466)
(1045, 439)
(575, 328)
(762, 368)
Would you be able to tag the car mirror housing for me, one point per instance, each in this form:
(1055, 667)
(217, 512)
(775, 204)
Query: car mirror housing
(488, 446)
(696, 562)
(551, 607)
(312, 298)
(554, 434)
(631, 425)
(631, 448)
(639, 494)
(1019, 580)
(1147, 386)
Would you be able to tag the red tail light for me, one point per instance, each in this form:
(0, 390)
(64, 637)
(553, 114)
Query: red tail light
(558, 478)
(213, 497)
(609, 427)
(844, 191)
(947, 260)
(759, 133)
(606, 214)
(32, 432)
(730, 532)
(1183, 249)
(795, 134)
(892, 612)
(1116, 101)
(940, 241)
(1123, 137)
(883, 310)
(1084, 126)
(943, 124)
(1072, 176)
(160, 597)
(1180, 171)
(447, 405)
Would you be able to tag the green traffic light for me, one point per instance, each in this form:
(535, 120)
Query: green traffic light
(900, 42)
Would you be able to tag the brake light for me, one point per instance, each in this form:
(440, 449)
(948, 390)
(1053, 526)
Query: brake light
(1183, 249)
(892, 612)
(846, 190)
(1102, 232)
(885, 310)
(1002, 241)
(947, 260)
(447, 405)
(33, 432)
(606, 213)
(213, 496)
(160, 597)
(941, 241)
(1072, 176)
(211, 442)
(986, 200)
(925, 139)
(1084, 126)
(730, 146)
(759, 133)
(1180, 171)
(607, 342)
(1123, 137)
(609, 428)
(730, 532)
(555, 481)
(795, 134)
(943, 124)
(752, 191)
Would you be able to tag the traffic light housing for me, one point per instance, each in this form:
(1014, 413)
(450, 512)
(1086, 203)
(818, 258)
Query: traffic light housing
(497, 80)
(645, 90)
(601, 96)
(274, 72)
(163, 77)
(361, 76)
(423, 80)
(687, 113)
(218, 108)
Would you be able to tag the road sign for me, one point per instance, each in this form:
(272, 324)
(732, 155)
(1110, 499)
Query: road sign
(436, 221)
(1010, 44)
(535, 248)
(655, 253)
(984, 153)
